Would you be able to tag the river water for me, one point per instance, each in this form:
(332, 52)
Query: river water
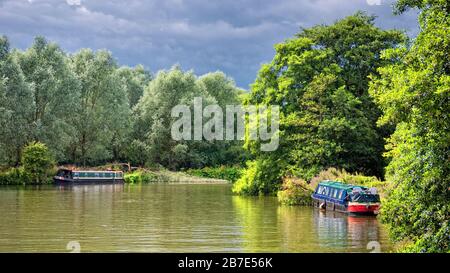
(173, 218)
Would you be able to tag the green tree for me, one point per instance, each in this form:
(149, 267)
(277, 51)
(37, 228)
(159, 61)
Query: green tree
(320, 81)
(55, 94)
(152, 140)
(223, 89)
(414, 96)
(152, 136)
(102, 118)
(135, 80)
(16, 107)
(37, 162)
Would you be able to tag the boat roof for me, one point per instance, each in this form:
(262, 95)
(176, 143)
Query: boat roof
(90, 171)
(339, 185)
(87, 171)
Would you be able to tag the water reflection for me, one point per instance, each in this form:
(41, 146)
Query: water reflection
(171, 218)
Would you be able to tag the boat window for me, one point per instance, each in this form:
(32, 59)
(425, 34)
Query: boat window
(335, 193)
(340, 194)
(75, 174)
(319, 189)
(366, 198)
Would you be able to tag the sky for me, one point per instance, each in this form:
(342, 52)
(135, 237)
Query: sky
(234, 36)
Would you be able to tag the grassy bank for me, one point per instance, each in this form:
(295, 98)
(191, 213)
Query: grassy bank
(229, 173)
(156, 176)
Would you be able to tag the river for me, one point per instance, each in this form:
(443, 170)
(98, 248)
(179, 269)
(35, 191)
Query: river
(173, 218)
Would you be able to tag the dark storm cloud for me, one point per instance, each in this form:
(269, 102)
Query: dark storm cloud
(233, 36)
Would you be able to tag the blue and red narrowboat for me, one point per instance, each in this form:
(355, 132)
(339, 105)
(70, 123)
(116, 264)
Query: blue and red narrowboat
(337, 196)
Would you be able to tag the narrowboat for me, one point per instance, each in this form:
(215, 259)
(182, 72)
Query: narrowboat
(67, 176)
(352, 199)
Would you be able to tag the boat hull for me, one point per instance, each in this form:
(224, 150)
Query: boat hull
(352, 208)
(59, 180)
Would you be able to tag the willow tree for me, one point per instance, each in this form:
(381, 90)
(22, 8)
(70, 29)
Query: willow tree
(16, 107)
(55, 94)
(102, 114)
(153, 142)
(414, 96)
(152, 119)
(135, 80)
(320, 81)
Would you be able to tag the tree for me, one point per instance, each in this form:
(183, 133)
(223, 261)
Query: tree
(414, 96)
(135, 80)
(16, 107)
(153, 120)
(37, 162)
(55, 94)
(319, 79)
(102, 118)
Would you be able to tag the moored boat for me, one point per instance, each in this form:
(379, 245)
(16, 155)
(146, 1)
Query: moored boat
(337, 196)
(67, 176)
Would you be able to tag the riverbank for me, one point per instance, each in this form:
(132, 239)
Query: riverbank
(143, 176)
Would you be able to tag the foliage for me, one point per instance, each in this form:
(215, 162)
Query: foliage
(135, 80)
(55, 91)
(258, 178)
(89, 111)
(152, 121)
(37, 162)
(140, 177)
(15, 176)
(414, 96)
(16, 107)
(102, 117)
(230, 173)
(320, 81)
(295, 192)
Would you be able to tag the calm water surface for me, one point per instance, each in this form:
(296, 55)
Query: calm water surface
(172, 218)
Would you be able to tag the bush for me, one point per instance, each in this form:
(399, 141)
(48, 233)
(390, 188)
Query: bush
(37, 162)
(140, 177)
(37, 167)
(15, 176)
(231, 174)
(295, 191)
(260, 177)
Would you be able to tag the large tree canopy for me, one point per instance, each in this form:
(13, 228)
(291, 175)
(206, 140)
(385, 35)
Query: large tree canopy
(414, 96)
(153, 120)
(16, 107)
(320, 81)
(55, 91)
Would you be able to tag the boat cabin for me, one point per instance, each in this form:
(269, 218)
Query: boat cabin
(338, 196)
(88, 176)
